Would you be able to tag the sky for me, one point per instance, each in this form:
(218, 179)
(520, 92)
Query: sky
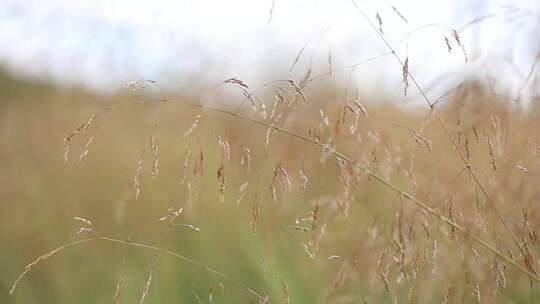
(103, 44)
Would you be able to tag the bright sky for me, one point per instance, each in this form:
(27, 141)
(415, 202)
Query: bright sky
(104, 43)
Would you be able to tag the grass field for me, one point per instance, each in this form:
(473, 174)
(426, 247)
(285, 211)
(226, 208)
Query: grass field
(297, 191)
(349, 201)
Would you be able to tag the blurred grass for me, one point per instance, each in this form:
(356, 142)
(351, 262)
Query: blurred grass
(41, 194)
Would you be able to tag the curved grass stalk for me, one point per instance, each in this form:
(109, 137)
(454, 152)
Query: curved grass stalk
(98, 237)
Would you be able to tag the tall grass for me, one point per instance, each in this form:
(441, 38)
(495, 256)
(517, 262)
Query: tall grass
(281, 197)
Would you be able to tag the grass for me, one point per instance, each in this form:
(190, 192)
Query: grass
(357, 245)
(285, 198)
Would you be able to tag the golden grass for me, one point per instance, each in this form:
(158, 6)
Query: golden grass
(293, 200)
(332, 199)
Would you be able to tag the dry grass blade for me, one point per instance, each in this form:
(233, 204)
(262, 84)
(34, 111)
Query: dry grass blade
(149, 279)
(379, 20)
(307, 250)
(356, 108)
(265, 300)
(419, 138)
(529, 74)
(83, 127)
(399, 14)
(271, 13)
(286, 181)
(406, 76)
(211, 292)
(137, 178)
(330, 65)
(297, 58)
(199, 301)
(458, 41)
(360, 106)
(315, 217)
(237, 81)
(285, 288)
(297, 89)
(193, 126)
(305, 80)
(434, 258)
(448, 46)
(221, 182)
(83, 220)
(255, 214)
(225, 147)
(277, 121)
(273, 184)
(189, 226)
(185, 164)
(525, 170)
(477, 293)
(86, 149)
(245, 158)
(304, 179)
(243, 88)
(155, 155)
(241, 192)
(491, 153)
(121, 281)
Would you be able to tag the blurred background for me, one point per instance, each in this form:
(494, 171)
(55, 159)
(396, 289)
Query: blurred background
(65, 62)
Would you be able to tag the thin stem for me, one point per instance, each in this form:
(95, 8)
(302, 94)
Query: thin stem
(185, 259)
(98, 237)
(45, 256)
(352, 66)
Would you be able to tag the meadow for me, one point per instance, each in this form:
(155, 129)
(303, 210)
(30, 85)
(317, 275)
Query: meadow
(293, 210)
(296, 191)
